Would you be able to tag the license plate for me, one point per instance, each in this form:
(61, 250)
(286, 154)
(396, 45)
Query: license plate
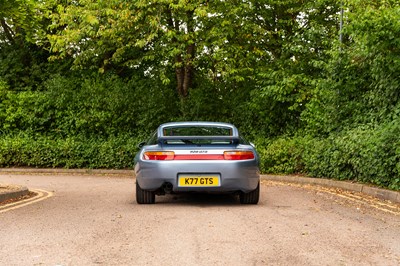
(199, 180)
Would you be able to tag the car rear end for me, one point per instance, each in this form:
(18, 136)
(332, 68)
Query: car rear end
(194, 161)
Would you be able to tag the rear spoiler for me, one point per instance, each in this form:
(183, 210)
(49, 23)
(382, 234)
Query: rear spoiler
(234, 139)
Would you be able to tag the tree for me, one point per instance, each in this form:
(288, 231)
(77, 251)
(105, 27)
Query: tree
(23, 57)
(360, 85)
(300, 34)
(160, 36)
(19, 21)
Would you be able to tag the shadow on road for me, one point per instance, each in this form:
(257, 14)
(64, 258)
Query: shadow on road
(199, 199)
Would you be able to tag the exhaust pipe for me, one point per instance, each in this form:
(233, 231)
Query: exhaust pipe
(167, 187)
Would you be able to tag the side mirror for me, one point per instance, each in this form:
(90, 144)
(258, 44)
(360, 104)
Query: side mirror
(141, 144)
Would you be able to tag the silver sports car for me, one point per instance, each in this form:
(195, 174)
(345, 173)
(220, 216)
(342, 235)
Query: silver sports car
(197, 157)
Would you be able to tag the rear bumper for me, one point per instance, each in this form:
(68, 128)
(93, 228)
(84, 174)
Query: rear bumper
(235, 175)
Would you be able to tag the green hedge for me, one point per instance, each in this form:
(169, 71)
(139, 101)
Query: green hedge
(368, 155)
(115, 152)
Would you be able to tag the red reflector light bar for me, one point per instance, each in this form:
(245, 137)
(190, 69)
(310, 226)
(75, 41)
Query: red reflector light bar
(199, 157)
(238, 155)
(170, 155)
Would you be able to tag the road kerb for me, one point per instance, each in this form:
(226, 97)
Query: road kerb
(381, 193)
(384, 194)
(20, 191)
(40, 195)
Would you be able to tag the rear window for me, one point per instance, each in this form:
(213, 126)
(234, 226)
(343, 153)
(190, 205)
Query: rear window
(197, 131)
(198, 142)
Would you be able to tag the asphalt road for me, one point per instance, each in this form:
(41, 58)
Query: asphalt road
(94, 220)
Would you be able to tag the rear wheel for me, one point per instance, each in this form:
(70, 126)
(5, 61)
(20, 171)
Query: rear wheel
(251, 197)
(144, 196)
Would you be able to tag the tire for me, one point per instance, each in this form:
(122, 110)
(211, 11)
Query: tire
(144, 196)
(251, 197)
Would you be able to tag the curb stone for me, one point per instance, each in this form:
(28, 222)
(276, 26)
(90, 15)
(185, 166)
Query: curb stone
(15, 192)
(384, 194)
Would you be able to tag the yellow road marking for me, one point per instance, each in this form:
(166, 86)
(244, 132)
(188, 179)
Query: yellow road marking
(351, 196)
(41, 195)
(374, 205)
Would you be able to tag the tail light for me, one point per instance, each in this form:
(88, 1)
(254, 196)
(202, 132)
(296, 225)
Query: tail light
(158, 155)
(238, 155)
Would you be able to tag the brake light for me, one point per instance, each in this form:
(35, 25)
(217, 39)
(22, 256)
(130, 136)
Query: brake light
(238, 155)
(158, 155)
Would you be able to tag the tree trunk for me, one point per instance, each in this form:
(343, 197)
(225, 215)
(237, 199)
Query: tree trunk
(7, 31)
(189, 71)
(180, 76)
(184, 70)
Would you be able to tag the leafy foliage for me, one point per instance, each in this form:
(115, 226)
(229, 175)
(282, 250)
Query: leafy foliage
(362, 81)
(363, 154)
(302, 36)
(69, 152)
(97, 105)
(82, 81)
